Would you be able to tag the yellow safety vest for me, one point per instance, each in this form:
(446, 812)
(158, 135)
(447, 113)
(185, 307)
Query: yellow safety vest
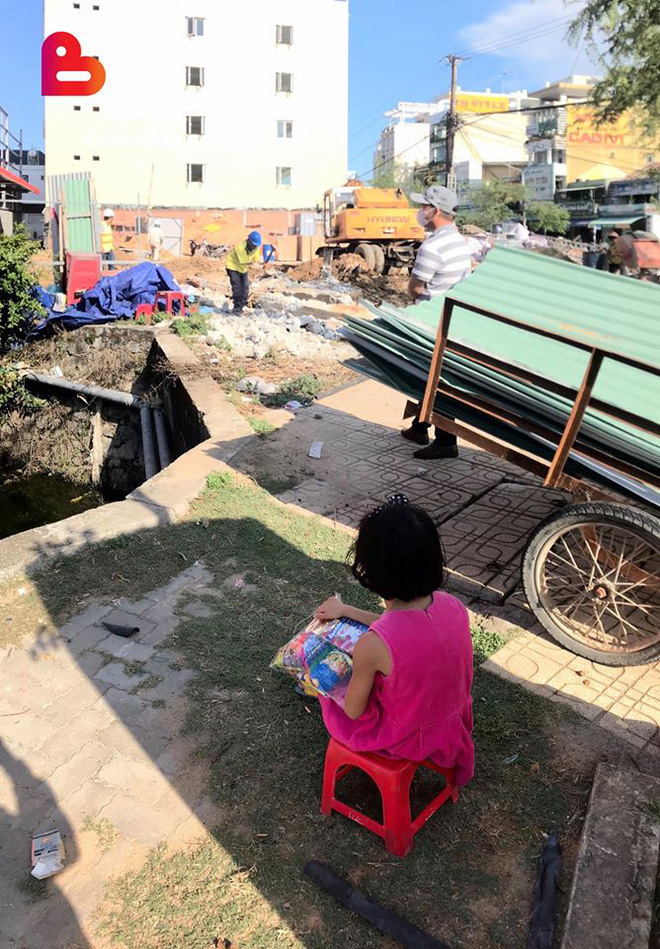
(107, 240)
(239, 259)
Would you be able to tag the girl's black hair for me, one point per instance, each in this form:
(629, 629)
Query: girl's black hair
(398, 553)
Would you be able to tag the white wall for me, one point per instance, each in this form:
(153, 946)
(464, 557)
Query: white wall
(141, 122)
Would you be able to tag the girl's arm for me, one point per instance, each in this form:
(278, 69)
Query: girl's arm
(333, 608)
(371, 656)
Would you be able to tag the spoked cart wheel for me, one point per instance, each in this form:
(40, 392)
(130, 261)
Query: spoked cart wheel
(591, 573)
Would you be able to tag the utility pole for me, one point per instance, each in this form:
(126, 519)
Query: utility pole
(451, 117)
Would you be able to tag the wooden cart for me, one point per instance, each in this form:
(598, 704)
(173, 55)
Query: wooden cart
(591, 571)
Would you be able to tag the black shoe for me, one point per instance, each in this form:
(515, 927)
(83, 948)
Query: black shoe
(236, 312)
(435, 451)
(416, 433)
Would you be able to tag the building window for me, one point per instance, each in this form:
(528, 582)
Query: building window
(95, 108)
(194, 76)
(95, 158)
(195, 124)
(195, 25)
(650, 159)
(559, 156)
(283, 176)
(76, 6)
(76, 108)
(284, 82)
(95, 7)
(284, 35)
(540, 158)
(285, 129)
(76, 157)
(195, 174)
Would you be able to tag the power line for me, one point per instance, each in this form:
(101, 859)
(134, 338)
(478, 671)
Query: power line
(512, 39)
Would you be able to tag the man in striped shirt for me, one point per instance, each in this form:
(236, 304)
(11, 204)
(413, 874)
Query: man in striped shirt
(442, 261)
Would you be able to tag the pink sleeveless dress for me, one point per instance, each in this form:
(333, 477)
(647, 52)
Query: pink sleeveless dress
(423, 708)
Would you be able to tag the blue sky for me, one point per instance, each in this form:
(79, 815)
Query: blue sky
(395, 53)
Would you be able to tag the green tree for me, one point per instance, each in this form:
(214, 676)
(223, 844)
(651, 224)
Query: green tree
(17, 306)
(624, 37)
(547, 216)
(399, 176)
(492, 203)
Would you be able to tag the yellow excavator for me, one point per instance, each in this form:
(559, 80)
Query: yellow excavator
(376, 223)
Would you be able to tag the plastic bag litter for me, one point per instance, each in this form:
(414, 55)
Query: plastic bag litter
(321, 657)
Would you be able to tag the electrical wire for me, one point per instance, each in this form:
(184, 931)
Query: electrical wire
(505, 42)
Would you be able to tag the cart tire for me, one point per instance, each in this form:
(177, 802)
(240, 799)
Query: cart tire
(367, 253)
(379, 255)
(591, 574)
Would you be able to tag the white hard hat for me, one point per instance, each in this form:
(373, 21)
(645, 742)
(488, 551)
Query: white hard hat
(108, 212)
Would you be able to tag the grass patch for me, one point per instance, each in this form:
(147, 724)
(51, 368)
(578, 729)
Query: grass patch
(304, 388)
(194, 325)
(105, 831)
(469, 878)
(261, 426)
(149, 683)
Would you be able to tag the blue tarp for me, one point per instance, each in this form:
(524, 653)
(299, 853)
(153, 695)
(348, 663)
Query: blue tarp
(113, 298)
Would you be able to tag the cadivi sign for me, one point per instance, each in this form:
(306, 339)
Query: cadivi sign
(596, 152)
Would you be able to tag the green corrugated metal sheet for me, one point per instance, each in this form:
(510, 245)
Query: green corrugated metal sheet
(80, 231)
(596, 309)
(580, 303)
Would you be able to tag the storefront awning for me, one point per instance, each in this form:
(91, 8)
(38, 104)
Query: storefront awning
(614, 221)
(7, 175)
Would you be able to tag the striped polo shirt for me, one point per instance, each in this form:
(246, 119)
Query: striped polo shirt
(442, 261)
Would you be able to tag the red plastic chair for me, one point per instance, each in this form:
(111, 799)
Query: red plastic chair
(393, 779)
(146, 310)
(83, 271)
(169, 297)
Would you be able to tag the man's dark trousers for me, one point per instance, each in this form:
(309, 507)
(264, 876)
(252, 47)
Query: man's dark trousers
(240, 289)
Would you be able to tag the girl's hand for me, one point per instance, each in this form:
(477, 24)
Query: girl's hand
(333, 608)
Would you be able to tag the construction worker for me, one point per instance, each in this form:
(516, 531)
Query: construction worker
(107, 239)
(239, 260)
(155, 238)
(442, 261)
(613, 256)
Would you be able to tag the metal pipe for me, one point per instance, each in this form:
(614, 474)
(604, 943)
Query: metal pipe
(148, 444)
(94, 392)
(162, 439)
(119, 398)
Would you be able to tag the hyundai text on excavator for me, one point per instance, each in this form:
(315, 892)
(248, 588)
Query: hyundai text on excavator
(376, 223)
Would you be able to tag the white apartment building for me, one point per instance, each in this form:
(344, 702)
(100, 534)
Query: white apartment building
(404, 143)
(206, 104)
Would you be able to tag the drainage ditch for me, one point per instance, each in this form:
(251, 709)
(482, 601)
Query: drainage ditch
(85, 445)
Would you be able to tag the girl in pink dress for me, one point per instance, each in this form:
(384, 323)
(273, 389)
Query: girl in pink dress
(410, 693)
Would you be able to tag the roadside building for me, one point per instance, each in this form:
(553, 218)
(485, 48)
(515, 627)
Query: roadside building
(234, 106)
(490, 137)
(404, 143)
(21, 183)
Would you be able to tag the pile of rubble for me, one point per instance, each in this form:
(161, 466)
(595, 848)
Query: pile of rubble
(284, 317)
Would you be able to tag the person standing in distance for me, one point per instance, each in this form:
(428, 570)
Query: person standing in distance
(107, 239)
(239, 260)
(442, 261)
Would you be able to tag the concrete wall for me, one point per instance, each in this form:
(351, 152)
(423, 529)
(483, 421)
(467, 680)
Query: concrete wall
(136, 144)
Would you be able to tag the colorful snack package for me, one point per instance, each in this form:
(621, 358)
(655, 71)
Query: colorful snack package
(320, 657)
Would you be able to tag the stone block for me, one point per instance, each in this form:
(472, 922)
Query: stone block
(139, 779)
(612, 896)
(126, 649)
(115, 674)
(75, 772)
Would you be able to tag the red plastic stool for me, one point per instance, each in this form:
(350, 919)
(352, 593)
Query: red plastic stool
(393, 779)
(146, 310)
(169, 297)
